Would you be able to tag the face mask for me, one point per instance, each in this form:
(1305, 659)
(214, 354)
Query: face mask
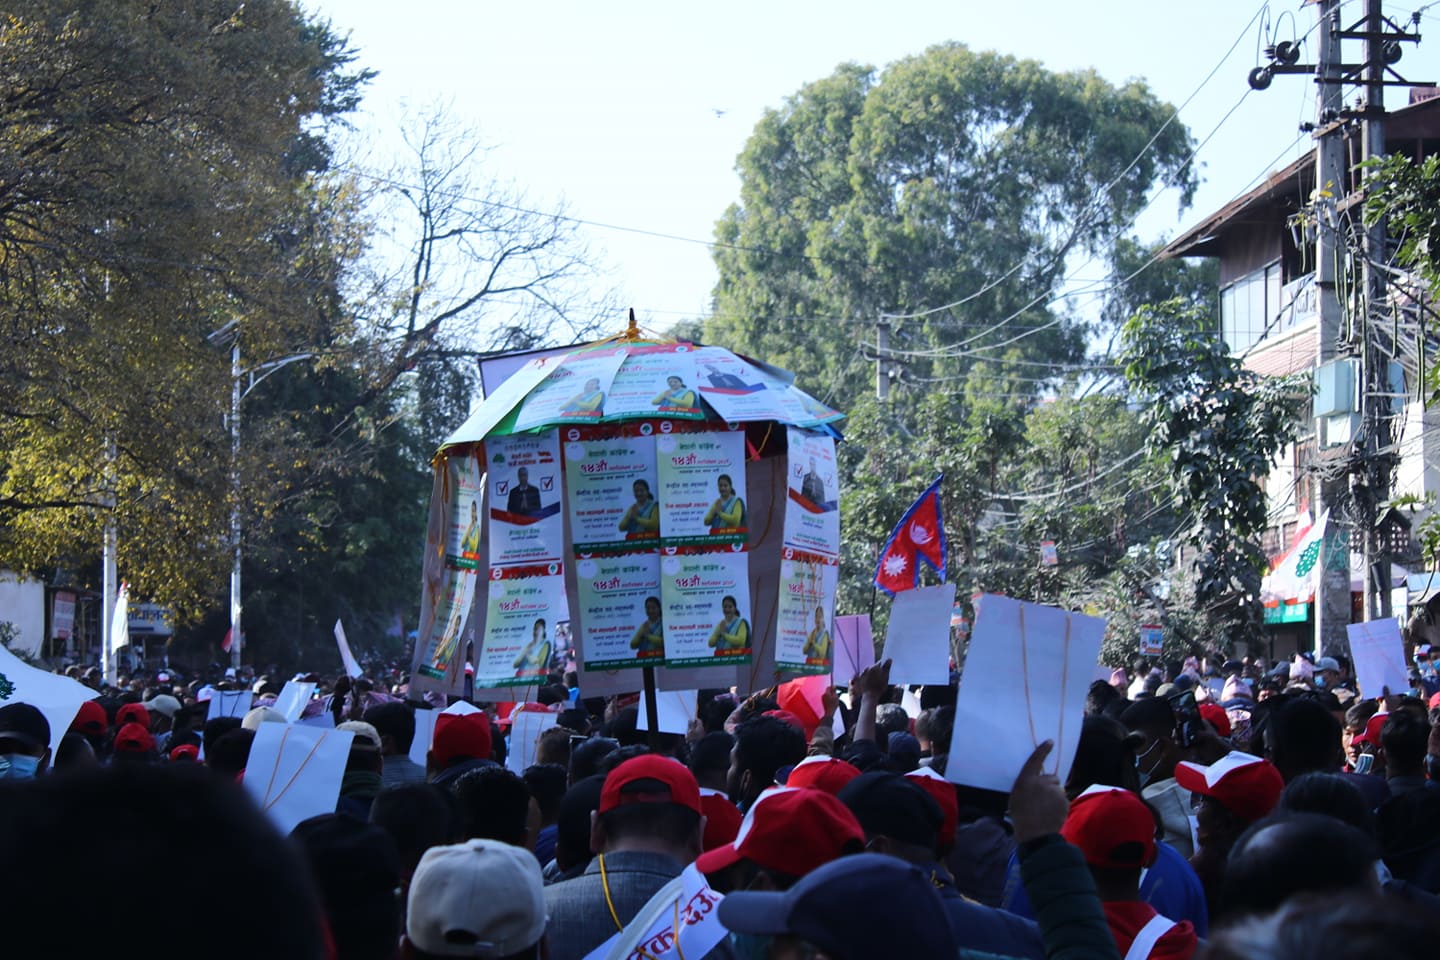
(18, 766)
(1144, 775)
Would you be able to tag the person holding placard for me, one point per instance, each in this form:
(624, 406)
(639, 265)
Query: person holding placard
(642, 519)
(728, 510)
(589, 400)
(675, 396)
(534, 660)
(731, 636)
(649, 640)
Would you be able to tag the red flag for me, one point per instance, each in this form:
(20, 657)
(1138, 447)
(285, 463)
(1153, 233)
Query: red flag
(225, 644)
(920, 535)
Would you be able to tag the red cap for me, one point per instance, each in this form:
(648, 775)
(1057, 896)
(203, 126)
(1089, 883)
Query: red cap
(1372, 729)
(650, 779)
(785, 716)
(722, 819)
(1246, 786)
(1112, 827)
(134, 738)
(1434, 701)
(90, 719)
(790, 831)
(460, 735)
(944, 793)
(1215, 715)
(133, 713)
(186, 751)
(822, 773)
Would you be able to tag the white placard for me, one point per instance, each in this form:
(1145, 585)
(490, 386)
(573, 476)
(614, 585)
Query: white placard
(293, 699)
(424, 734)
(1026, 674)
(229, 703)
(57, 697)
(294, 771)
(917, 639)
(526, 726)
(352, 666)
(676, 709)
(854, 647)
(1378, 653)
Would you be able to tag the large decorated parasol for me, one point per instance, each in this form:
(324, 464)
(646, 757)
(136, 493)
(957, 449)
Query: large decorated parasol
(649, 511)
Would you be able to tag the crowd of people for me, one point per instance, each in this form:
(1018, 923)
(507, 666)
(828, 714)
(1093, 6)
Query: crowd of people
(1220, 809)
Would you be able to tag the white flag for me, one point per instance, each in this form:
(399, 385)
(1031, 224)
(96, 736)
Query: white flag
(1296, 577)
(352, 667)
(120, 620)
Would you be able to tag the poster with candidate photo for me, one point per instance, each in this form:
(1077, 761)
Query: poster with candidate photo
(653, 382)
(523, 476)
(705, 600)
(462, 541)
(443, 648)
(575, 392)
(620, 610)
(520, 620)
(610, 489)
(702, 488)
(812, 507)
(806, 611)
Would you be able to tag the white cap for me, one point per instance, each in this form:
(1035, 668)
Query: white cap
(362, 729)
(260, 715)
(482, 898)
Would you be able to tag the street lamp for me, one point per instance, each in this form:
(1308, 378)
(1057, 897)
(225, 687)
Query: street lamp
(252, 376)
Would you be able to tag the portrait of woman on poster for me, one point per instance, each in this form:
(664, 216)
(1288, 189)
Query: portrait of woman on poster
(649, 640)
(817, 644)
(534, 660)
(728, 510)
(732, 634)
(675, 395)
(589, 400)
(643, 517)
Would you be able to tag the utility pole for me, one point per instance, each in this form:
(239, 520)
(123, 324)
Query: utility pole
(1332, 595)
(235, 397)
(882, 360)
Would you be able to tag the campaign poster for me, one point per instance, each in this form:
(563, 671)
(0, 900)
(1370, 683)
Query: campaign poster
(450, 630)
(611, 491)
(575, 392)
(705, 600)
(523, 473)
(521, 616)
(812, 509)
(653, 382)
(462, 542)
(621, 615)
(806, 612)
(702, 488)
(740, 391)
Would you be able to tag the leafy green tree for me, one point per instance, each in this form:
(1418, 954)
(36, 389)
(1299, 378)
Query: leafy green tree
(1219, 427)
(950, 190)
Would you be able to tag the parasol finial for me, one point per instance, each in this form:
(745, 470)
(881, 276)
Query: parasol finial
(633, 331)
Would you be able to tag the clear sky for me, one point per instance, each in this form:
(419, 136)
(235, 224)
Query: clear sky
(632, 112)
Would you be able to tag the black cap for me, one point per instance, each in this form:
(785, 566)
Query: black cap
(887, 804)
(23, 723)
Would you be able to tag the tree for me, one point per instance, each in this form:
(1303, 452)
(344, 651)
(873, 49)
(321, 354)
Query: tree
(157, 181)
(950, 190)
(1220, 427)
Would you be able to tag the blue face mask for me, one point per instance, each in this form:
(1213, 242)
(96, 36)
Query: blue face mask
(18, 766)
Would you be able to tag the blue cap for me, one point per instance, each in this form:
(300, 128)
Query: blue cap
(834, 908)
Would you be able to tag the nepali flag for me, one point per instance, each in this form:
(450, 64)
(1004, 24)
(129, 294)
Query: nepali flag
(920, 535)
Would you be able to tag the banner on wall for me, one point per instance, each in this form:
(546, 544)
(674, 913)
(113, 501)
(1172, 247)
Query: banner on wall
(610, 488)
(523, 473)
(652, 382)
(462, 543)
(812, 507)
(573, 393)
(702, 488)
(806, 610)
(522, 613)
(620, 608)
(705, 602)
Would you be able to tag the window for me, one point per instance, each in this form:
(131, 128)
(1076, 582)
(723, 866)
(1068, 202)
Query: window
(1248, 306)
